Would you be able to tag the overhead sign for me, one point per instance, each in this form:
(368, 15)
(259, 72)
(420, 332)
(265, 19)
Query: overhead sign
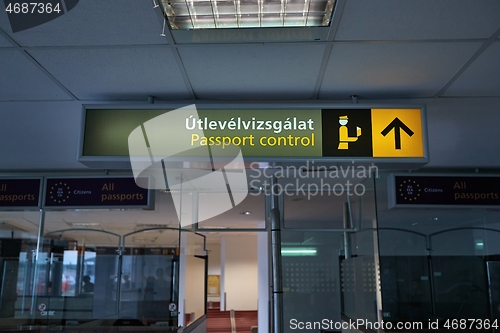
(269, 134)
(20, 193)
(435, 191)
(98, 192)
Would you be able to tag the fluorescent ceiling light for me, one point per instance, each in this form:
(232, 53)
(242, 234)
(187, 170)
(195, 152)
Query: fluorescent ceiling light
(225, 14)
(297, 251)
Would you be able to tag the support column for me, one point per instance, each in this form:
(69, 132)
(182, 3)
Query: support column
(182, 277)
(35, 263)
(274, 221)
(223, 273)
(263, 281)
(347, 236)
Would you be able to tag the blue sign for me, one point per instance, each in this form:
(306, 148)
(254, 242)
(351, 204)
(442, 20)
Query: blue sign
(99, 192)
(20, 193)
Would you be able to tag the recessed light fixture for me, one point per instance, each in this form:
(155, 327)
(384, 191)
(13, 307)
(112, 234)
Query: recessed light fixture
(227, 14)
(163, 29)
(246, 212)
(298, 252)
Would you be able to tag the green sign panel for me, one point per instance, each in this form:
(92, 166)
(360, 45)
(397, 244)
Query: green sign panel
(309, 133)
(256, 133)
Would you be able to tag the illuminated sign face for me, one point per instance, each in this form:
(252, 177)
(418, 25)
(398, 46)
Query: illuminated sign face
(397, 133)
(371, 133)
(262, 133)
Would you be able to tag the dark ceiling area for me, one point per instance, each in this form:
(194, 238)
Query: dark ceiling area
(375, 49)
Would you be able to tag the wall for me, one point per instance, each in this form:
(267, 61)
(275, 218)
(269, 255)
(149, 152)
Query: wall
(191, 278)
(214, 266)
(195, 286)
(239, 271)
(213, 258)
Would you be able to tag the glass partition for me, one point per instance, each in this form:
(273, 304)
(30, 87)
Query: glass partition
(404, 274)
(329, 250)
(310, 275)
(360, 269)
(195, 276)
(437, 263)
(192, 270)
(90, 268)
(18, 246)
(149, 276)
(76, 277)
(460, 263)
(310, 251)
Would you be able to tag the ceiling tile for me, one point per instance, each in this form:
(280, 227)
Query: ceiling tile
(4, 20)
(40, 135)
(4, 42)
(392, 70)
(481, 78)
(267, 71)
(423, 19)
(96, 22)
(116, 73)
(26, 81)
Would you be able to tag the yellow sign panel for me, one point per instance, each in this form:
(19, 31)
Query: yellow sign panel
(397, 133)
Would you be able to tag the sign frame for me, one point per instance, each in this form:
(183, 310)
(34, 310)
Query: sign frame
(391, 191)
(123, 162)
(148, 206)
(26, 208)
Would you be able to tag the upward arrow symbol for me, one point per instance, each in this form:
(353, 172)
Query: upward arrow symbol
(397, 125)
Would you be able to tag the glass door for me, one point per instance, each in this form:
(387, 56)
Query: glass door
(18, 244)
(76, 277)
(149, 279)
(327, 264)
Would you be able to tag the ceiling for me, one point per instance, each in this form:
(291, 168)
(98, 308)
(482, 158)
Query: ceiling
(112, 51)
(375, 49)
